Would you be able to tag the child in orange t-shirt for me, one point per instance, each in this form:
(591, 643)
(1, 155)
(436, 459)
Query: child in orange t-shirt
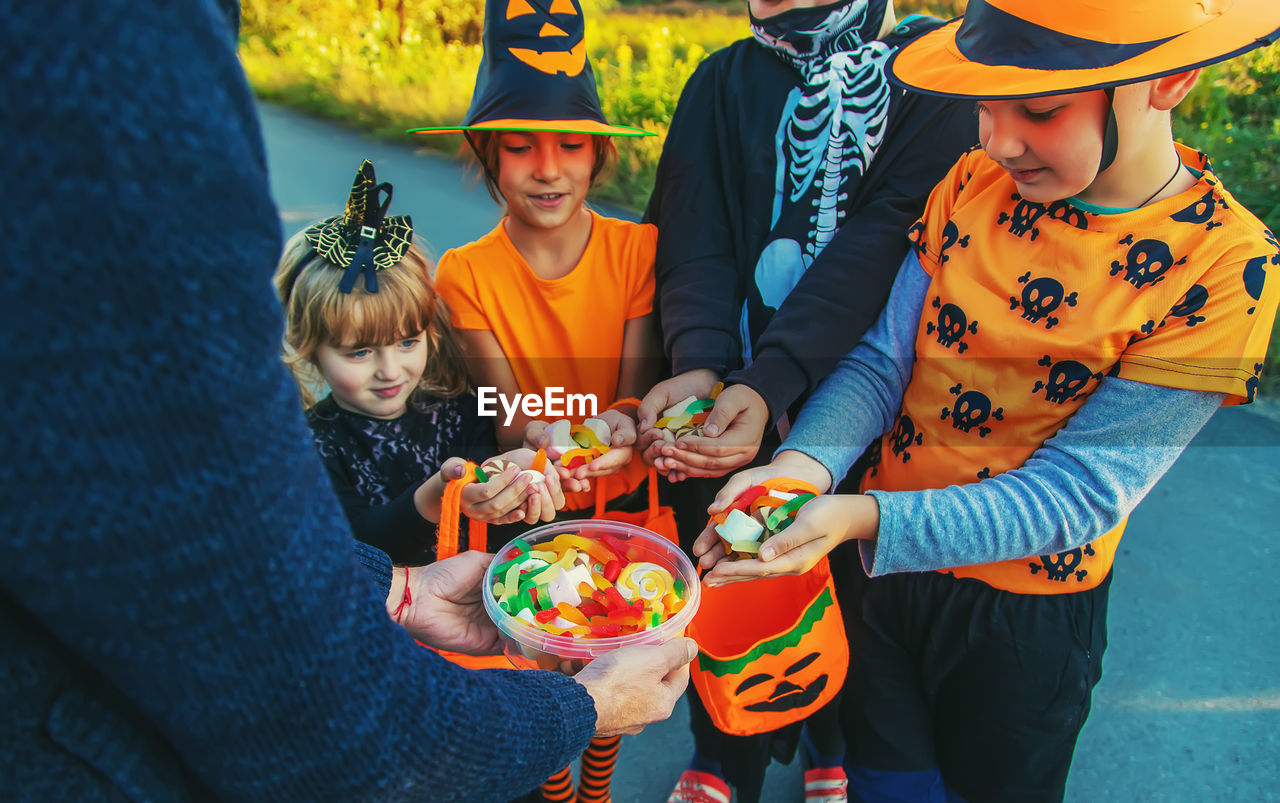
(557, 301)
(1082, 295)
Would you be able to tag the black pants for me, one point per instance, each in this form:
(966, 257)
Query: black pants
(988, 686)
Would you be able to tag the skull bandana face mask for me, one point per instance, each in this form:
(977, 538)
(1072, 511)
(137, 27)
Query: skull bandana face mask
(803, 31)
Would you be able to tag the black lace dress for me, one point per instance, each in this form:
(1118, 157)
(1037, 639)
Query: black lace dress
(375, 465)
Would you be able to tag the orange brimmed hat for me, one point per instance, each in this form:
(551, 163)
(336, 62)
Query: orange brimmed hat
(534, 75)
(1023, 48)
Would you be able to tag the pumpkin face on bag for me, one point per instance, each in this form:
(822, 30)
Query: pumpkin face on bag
(800, 677)
(771, 652)
(786, 695)
(553, 34)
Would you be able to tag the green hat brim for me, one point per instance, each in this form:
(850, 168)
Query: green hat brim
(553, 126)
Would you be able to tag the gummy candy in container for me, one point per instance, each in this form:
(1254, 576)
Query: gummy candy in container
(565, 593)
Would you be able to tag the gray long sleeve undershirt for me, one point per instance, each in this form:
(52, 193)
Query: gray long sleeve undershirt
(1077, 486)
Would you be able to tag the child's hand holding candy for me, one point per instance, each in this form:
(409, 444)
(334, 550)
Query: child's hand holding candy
(597, 447)
(819, 527)
(728, 439)
(519, 485)
(537, 436)
(787, 547)
(621, 442)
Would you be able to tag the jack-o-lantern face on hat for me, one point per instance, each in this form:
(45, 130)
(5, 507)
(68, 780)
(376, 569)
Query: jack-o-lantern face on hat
(552, 33)
(535, 75)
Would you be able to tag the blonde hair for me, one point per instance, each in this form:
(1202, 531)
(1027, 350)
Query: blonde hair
(317, 313)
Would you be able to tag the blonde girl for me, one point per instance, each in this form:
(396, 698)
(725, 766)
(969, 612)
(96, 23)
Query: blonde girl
(397, 420)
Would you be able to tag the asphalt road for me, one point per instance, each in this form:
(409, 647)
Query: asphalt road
(1188, 708)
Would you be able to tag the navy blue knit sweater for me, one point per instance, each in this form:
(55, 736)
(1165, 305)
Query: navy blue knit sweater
(182, 612)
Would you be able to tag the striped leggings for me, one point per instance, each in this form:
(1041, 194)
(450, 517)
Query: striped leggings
(593, 781)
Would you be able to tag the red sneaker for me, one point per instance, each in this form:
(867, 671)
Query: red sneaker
(699, 787)
(828, 785)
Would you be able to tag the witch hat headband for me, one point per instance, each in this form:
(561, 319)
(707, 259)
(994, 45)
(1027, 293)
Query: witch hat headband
(363, 239)
(535, 75)
(1005, 49)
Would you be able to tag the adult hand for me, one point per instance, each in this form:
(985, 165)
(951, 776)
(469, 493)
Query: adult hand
(622, 438)
(821, 525)
(731, 437)
(636, 686)
(698, 382)
(443, 607)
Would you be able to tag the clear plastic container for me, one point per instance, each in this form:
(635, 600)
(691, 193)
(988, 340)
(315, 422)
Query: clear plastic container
(531, 648)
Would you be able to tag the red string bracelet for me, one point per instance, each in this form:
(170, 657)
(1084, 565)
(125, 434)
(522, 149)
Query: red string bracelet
(406, 600)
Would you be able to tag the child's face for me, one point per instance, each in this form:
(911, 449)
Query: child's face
(373, 380)
(1051, 146)
(544, 176)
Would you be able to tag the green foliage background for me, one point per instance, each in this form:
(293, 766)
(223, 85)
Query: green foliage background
(388, 65)
(354, 61)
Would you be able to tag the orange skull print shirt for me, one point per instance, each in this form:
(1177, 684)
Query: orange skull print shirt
(1030, 305)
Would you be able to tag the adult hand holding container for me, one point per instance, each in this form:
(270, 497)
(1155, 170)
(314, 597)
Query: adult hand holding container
(566, 593)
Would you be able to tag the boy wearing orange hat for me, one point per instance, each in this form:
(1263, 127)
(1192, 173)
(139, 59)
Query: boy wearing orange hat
(1082, 295)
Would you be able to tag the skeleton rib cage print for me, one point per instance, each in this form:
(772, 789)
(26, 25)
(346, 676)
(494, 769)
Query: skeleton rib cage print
(830, 128)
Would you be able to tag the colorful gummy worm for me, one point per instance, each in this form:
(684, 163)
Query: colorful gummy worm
(585, 587)
(578, 443)
(761, 512)
(687, 417)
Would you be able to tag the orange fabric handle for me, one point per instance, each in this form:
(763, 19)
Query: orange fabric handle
(451, 516)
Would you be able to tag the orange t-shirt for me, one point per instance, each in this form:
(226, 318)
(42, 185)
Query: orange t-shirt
(564, 332)
(1030, 305)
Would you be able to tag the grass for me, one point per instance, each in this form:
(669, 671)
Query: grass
(346, 60)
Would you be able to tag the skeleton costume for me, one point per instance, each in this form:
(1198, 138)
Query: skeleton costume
(789, 174)
(789, 177)
(831, 126)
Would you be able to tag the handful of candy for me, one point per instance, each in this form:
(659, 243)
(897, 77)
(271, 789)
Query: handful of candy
(496, 465)
(578, 444)
(584, 587)
(759, 513)
(687, 417)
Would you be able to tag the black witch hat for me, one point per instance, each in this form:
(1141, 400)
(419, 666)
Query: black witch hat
(363, 239)
(535, 75)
